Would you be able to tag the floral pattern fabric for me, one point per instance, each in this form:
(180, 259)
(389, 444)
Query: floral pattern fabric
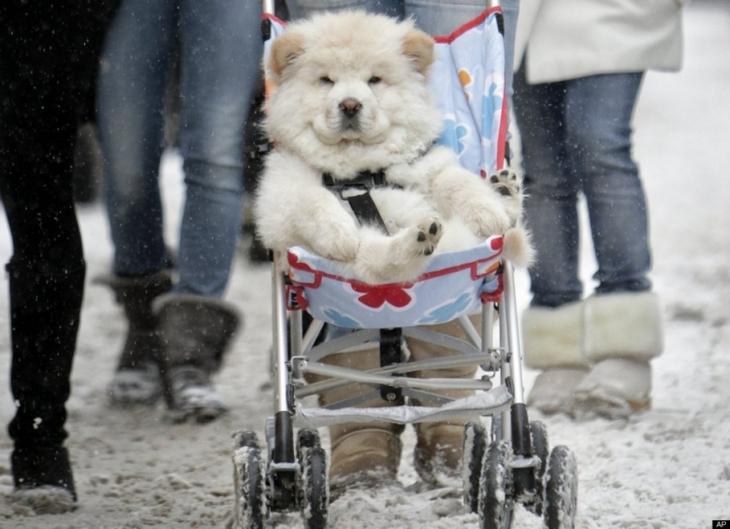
(451, 286)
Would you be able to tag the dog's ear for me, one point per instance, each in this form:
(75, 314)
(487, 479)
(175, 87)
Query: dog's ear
(418, 46)
(284, 51)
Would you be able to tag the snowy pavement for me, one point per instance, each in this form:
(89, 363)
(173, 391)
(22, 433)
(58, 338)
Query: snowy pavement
(666, 468)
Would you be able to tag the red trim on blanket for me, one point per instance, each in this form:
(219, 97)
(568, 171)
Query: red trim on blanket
(294, 262)
(273, 18)
(447, 39)
(502, 134)
(496, 296)
(295, 299)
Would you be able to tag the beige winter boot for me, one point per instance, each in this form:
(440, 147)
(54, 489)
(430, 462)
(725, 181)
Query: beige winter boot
(439, 446)
(552, 342)
(360, 452)
(623, 332)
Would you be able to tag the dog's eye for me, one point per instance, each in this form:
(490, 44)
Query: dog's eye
(326, 80)
(374, 80)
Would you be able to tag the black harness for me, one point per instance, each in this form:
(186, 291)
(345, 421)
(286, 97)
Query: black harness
(356, 191)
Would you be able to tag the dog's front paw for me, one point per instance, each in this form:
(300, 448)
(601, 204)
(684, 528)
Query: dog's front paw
(427, 235)
(508, 185)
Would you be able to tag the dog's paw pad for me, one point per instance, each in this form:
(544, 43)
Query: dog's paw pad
(428, 234)
(506, 183)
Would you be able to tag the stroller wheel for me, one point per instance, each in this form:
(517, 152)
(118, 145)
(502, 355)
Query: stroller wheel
(561, 489)
(313, 486)
(248, 478)
(496, 500)
(475, 443)
(540, 448)
(306, 439)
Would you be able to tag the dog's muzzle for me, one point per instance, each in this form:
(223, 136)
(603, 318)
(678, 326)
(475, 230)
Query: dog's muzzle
(350, 114)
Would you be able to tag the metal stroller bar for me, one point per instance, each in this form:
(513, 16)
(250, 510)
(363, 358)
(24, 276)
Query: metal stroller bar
(514, 341)
(354, 375)
(430, 363)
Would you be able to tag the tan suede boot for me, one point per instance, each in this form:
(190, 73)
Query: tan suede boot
(360, 452)
(439, 446)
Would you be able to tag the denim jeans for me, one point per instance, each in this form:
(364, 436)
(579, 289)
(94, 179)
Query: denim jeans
(219, 43)
(436, 17)
(576, 138)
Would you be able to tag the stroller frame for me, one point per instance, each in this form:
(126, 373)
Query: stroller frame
(295, 355)
(508, 464)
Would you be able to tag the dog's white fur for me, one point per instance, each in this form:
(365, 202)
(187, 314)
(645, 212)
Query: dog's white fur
(373, 61)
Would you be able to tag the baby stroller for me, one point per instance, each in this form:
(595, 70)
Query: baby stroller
(506, 463)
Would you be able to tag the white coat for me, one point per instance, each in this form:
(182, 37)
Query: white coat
(567, 39)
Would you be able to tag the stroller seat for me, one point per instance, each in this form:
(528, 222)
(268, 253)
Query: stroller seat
(452, 286)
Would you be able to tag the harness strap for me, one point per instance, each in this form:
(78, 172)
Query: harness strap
(356, 192)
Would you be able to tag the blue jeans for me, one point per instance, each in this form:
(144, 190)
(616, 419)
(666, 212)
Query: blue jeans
(436, 17)
(219, 43)
(576, 138)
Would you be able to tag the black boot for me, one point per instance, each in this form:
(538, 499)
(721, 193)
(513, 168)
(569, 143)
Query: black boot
(137, 378)
(195, 332)
(40, 465)
(45, 304)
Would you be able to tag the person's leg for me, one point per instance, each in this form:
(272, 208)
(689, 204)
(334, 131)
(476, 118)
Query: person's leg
(130, 110)
(40, 89)
(551, 192)
(219, 62)
(131, 91)
(442, 17)
(304, 8)
(552, 324)
(598, 113)
(622, 322)
(46, 279)
(220, 59)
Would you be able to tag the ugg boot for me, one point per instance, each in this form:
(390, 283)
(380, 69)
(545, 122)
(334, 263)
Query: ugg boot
(439, 445)
(137, 378)
(623, 332)
(361, 453)
(195, 333)
(552, 341)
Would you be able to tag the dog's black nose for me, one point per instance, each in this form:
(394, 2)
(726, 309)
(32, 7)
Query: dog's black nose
(350, 107)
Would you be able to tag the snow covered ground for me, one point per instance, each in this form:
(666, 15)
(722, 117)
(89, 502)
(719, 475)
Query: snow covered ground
(666, 468)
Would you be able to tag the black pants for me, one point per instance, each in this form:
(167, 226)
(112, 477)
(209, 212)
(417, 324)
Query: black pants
(48, 59)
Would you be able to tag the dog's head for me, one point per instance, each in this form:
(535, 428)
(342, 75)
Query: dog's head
(351, 87)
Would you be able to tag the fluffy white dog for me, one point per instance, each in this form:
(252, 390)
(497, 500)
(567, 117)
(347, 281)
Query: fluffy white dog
(351, 97)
